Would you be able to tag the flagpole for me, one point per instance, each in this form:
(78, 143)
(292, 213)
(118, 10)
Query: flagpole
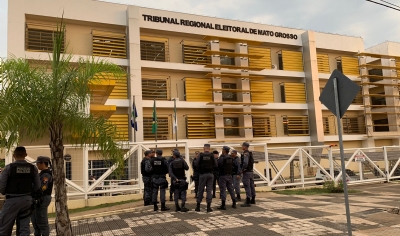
(175, 124)
(134, 119)
(156, 125)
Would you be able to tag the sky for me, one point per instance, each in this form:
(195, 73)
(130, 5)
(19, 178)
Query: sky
(374, 23)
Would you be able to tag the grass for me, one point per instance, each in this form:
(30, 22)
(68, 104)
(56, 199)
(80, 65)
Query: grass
(311, 191)
(83, 209)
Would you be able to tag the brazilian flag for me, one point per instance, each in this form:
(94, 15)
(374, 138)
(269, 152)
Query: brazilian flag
(154, 126)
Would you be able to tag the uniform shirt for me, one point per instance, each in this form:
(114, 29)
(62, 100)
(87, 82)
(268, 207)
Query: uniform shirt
(45, 180)
(147, 164)
(246, 156)
(185, 166)
(149, 168)
(197, 162)
(6, 172)
(236, 162)
(221, 161)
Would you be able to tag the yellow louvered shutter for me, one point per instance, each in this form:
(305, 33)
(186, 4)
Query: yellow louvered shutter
(264, 126)
(267, 96)
(39, 37)
(296, 125)
(122, 125)
(109, 44)
(120, 90)
(154, 48)
(323, 63)
(292, 60)
(350, 66)
(163, 128)
(398, 66)
(295, 92)
(193, 53)
(200, 126)
(196, 90)
(264, 62)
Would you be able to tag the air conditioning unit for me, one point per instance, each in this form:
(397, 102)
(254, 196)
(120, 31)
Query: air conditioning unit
(274, 67)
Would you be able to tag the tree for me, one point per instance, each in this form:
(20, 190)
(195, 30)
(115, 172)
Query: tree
(40, 99)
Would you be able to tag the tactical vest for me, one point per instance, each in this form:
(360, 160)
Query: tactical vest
(158, 166)
(206, 163)
(49, 189)
(20, 180)
(178, 168)
(235, 167)
(251, 162)
(195, 168)
(143, 168)
(227, 165)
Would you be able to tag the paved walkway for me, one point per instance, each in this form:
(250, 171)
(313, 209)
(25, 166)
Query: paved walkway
(272, 215)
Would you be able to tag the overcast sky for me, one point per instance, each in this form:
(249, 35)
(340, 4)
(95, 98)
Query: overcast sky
(374, 23)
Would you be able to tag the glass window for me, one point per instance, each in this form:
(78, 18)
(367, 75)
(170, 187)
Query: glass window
(225, 60)
(229, 125)
(152, 51)
(229, 95)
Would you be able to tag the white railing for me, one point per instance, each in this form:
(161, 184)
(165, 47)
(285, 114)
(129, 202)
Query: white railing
(276, 167)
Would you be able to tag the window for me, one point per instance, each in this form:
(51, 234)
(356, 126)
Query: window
(323, 63)
(163, 130)
(153, 51)
(40, 37)
(293, 93)
(350, 125)
(225, 60)
(109, 44)
(264, 126)
(280, 66)
(296, 125)
(326, 125)
(68, 170)
(229, 95)
(381, 125)
(339, 64)
(291, 60)
(231, 126)
(348, 65)
(193, 53)
(200, 127)
(155, 89)
(264, 62)
(378, 100)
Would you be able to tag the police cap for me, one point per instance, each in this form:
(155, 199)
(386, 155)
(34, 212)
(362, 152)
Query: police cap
(147, 152)
(42, 159)
(159, 152)
(207, 145)
(215, 152)
(226, 148)
(246, 144)
(176, 153)
(234, 151)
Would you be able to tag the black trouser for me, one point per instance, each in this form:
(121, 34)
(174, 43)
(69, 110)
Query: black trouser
(196, 186)
(216, 177)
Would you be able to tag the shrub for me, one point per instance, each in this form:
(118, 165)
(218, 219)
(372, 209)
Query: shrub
(332, 187)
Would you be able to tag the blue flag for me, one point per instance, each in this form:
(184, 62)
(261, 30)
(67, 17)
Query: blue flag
(133, 117)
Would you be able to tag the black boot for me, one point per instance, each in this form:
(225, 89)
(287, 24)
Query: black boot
(253, 200)
(238, 199)
(233, 203)
(163, 207)
(222, 207)
(183, 208)
(177, 208)
(214, 195)
(147, 203)
(247, 203)
(171, 199)
(209, 207)
(155, 207)
(197, 207)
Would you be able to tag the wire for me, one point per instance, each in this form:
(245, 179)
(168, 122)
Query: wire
(383, 5)
(390, 3)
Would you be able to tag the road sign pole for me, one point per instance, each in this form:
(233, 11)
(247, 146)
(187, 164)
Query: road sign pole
(344, 179)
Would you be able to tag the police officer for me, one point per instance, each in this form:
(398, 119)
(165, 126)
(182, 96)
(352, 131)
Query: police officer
(205, 164)
(159, 168)
(225, 165)
(171, 187)
(146, 176)
(248, 179)
(216, 175)
(39, 217)
(196, 174)
(177, 170)
(236, 174)
(18, 182)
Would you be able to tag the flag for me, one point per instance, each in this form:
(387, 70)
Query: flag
(175, 128)
(134, 116)
(154, 126)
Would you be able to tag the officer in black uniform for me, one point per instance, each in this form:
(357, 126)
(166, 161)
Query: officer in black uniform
(171, 187)
(205, 164)
(225, 165)
(159, 168)
(39, 217)
(18, 181)
(146, 176)
(236, 174)
(196, 174)
(248, 178)
(216, 175)
(177, 170)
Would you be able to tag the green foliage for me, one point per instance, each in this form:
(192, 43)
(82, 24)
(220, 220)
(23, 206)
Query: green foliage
(332, 187)
(48, 99)
(2, 163)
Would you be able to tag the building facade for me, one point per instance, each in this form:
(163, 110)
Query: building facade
(230, 80)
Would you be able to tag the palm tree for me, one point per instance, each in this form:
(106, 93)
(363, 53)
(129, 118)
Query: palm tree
(40, 99)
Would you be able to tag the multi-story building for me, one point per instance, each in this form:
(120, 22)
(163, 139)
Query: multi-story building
(231, 80)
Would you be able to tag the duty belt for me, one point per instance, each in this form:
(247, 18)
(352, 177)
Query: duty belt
(159, 176)
(14, 196)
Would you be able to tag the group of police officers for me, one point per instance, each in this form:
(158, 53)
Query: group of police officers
(209, 168)
(28, 195)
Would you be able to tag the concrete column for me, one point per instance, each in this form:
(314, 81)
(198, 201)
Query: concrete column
(366, 100)
(217, 95)
(135, 71)
(312, 87)
(393, 119)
